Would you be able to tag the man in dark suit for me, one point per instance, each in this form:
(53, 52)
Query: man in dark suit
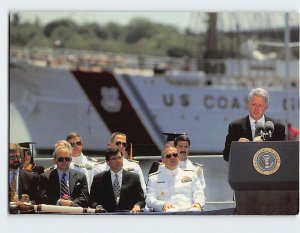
(116, 189)
(21, 182)
(243, 130)
(62, 185)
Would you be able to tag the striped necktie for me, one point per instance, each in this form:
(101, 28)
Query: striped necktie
(64, 193)
(13, 188)
(116, 187)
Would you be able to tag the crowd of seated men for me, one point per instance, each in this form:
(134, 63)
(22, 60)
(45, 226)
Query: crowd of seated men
(116, 184)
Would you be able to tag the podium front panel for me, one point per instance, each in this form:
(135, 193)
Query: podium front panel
(247, 173)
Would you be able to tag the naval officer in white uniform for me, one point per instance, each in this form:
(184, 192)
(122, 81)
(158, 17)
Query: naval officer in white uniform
(182, 143)
(172, 188)
(80, 162)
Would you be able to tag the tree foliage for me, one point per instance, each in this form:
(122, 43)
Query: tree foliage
(140, 36)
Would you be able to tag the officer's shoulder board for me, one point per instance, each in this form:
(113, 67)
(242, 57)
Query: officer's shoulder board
(154, 173)
(86, 166)
(93, 159)
(101, 162)
(49, 168)
(188, 170)
(132, 160)
(198, 164)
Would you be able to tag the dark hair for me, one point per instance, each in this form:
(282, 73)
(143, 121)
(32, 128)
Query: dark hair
(73, 135)
(182, 138)
(110, 151)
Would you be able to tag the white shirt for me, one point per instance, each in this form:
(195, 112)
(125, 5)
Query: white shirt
(113, 177)
(178, 187)
(252, 123)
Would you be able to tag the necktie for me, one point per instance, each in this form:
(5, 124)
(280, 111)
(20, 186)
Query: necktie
(116, 187)
(254, 129)
(13, 188)
(64, 193)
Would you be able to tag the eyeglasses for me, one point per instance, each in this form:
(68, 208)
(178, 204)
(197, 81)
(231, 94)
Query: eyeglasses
(116, 158)
(61, 159)
(175, 155)
(79, 143)
(27, 152)
(13, 157)
(124, 144)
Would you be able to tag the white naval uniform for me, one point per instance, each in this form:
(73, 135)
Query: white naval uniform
(181, 188)
(82, 164)
(127, 166)
(188, 165)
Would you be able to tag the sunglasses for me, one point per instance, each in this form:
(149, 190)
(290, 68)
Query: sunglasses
(79, 143)
(175, 155)
(118, 143)
(61, 159)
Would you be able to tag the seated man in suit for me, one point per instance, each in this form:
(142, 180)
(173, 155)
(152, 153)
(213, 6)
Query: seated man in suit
(243, 130)
(21, 182)
(119, 140)
(116, 189)
(63, 185)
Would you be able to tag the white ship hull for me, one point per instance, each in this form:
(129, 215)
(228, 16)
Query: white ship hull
(54, 102)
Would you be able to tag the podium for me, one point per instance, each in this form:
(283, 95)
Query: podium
(265, 177)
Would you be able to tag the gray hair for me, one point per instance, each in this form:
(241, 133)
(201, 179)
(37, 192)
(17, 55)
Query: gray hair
(60, 148)
(259, 92)
(163, 152)
(114, 135)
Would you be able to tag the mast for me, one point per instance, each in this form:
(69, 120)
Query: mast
(213, 63)
(287, 67)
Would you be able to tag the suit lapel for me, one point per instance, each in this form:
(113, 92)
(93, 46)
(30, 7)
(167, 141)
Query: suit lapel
(20, 183)
(55, 182)
(109, 186)
(72, 180)
(247, 128)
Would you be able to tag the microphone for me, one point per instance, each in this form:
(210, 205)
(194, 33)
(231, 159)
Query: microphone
(269, 128)
(259, 129)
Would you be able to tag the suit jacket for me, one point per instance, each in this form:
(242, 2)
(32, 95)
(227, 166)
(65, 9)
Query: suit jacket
(77, 184)
(102, 192)
(241, 128)
(29, 184)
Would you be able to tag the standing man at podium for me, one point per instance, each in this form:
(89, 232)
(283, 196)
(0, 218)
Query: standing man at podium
(243, 129)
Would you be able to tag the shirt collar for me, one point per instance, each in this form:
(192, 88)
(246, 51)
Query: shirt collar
(119, 173)
(17, 171)
(78, 159)
(60, 172)
(262, 120)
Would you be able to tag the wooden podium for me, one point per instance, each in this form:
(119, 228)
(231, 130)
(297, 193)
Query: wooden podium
(265, 177)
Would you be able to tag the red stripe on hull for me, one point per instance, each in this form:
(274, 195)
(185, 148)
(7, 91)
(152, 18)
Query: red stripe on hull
(116, 110)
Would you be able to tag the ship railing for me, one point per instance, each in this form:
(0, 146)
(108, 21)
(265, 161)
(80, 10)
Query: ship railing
(245, 72)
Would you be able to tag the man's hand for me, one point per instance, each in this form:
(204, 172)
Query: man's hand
(197, 206)
(136, 209)
(243, 140)
(64, 202)
(167, 206)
